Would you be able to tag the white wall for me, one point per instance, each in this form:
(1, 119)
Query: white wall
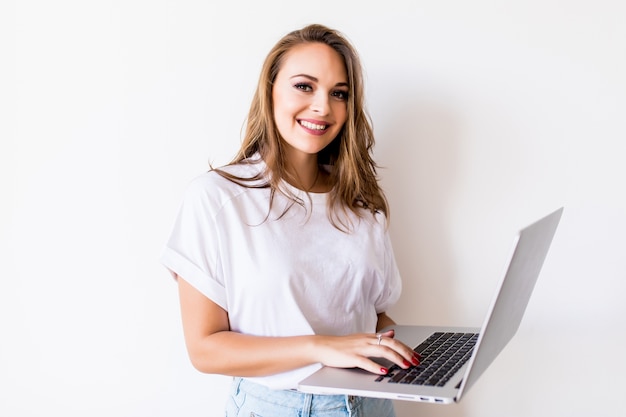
(488, 114)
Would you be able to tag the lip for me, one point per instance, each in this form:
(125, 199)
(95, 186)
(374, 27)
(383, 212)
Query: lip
(313, 131)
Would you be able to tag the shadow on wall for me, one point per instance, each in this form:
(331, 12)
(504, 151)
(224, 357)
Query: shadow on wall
(418, 150)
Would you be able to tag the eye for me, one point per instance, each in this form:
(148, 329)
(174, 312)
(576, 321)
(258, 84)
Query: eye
(340, 94)
(303, 87)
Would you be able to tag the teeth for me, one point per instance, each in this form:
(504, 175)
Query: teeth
(313, 126)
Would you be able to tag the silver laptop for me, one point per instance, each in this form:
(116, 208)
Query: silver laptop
(453, 358)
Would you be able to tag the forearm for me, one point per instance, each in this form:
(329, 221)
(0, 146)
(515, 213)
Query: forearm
(231, 353)
(384, 321)
(236, 354)
(214, 348)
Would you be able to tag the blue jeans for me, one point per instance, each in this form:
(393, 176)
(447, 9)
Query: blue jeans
(248, 399)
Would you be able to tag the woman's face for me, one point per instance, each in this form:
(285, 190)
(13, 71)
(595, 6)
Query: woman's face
(310, 96)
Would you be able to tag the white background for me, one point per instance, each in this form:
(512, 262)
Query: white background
(488, 114)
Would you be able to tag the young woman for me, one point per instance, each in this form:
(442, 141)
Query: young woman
(282, 257)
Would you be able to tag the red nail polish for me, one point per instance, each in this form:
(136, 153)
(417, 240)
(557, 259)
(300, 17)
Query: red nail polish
(406, 363)
(384, 370)
(415, 361)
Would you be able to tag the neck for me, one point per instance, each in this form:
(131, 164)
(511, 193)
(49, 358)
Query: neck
(303, 169)
(305, 178)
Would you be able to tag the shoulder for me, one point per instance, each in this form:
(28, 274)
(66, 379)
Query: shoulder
(379, 223)
(213, 189)
(381, 219)
(376, 219)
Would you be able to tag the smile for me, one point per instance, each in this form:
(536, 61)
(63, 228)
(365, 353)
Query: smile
(312, 126)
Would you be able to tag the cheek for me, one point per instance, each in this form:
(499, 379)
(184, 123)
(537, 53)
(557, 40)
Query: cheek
(284, 113)
(284, 100)
(279, 108)
(341, 114)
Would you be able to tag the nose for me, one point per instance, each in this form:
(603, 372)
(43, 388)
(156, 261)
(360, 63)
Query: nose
(321, 103)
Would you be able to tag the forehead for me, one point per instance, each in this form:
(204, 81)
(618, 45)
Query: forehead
(314, 59)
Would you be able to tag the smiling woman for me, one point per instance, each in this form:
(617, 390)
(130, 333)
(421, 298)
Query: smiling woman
(283, 256)
(310, 106)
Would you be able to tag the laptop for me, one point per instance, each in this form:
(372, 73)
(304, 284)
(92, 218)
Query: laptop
(453, 358)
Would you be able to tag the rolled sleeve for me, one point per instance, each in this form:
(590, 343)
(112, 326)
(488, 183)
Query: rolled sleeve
(191, 251)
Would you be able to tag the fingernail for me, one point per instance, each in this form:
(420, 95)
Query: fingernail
(415, 361)
(384, 370)
(406, 363)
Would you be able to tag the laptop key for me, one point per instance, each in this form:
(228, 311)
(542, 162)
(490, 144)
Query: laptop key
(442, 355)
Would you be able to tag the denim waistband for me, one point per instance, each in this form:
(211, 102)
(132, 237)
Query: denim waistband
(295, 399)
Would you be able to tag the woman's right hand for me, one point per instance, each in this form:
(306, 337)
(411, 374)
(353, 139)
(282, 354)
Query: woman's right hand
(355, 351)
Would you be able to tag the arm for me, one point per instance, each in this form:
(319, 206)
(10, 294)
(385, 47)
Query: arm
(213, 348)
(384, 321)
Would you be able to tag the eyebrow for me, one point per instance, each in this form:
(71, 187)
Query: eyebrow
(312, 78)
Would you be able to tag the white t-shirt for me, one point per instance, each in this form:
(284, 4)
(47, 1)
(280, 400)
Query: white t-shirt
(288, 275)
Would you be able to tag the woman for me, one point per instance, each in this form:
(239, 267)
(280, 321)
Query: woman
(282, 257)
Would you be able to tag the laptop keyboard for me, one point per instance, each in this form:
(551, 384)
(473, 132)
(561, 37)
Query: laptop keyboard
(442, 354)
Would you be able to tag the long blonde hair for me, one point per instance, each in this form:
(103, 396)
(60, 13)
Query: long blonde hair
(353, 172)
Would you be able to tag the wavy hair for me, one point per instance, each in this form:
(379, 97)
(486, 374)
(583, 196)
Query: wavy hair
(353, 170)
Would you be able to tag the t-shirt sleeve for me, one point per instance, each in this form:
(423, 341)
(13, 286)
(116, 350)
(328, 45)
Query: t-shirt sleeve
(192, 250)
(393, 283)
